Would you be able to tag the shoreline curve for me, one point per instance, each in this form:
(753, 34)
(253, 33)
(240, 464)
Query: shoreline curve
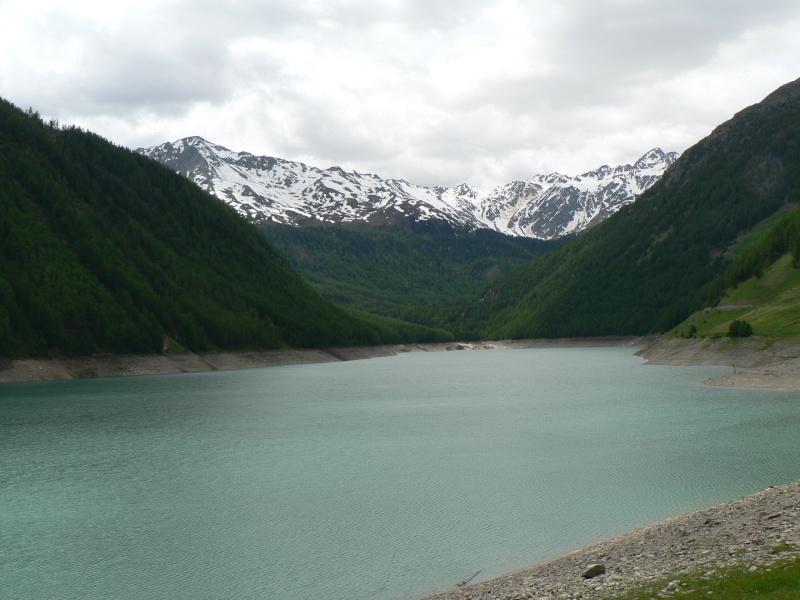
(111, 365)
(754, 531)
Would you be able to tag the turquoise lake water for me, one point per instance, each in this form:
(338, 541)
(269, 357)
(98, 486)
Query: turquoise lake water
(387, 478)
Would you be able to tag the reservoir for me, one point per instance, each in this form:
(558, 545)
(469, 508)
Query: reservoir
(387, 479)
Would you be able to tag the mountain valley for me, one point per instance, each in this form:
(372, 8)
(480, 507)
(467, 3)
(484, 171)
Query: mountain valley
(105, 251)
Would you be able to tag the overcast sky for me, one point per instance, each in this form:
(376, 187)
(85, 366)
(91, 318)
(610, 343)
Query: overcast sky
(437, 92)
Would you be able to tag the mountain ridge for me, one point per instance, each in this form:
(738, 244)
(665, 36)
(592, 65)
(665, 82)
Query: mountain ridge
(266, 189)
(658, 260)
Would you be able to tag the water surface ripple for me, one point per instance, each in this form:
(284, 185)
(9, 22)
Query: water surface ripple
(387, 478)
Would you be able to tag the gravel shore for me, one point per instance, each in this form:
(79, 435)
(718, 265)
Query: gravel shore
(753, 531)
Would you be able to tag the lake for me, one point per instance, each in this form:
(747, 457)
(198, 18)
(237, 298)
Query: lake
(387, 478)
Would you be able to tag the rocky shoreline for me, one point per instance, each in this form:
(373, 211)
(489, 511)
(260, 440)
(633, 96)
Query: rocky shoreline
(754, 362)
(54, 369)
(753, 531)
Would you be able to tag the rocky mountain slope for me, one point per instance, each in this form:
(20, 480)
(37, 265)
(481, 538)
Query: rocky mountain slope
(273, 190)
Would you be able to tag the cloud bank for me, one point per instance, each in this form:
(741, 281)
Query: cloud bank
(437, 92)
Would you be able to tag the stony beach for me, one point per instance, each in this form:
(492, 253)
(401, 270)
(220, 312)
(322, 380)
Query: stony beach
(753, 531)
(754, 362)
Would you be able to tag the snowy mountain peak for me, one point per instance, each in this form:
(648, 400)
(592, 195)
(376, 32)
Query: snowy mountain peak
(268, 189)
(655, 158)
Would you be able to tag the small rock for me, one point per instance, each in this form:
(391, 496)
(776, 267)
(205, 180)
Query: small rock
(774, 515)
(593, 570)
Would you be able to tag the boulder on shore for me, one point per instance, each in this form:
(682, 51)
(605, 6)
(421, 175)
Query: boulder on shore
(593, 570)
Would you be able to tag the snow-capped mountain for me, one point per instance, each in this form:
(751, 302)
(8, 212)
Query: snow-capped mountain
(266, 189)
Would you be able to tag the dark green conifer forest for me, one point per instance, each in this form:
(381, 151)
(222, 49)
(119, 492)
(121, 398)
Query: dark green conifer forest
(105, 251)
(401, 273)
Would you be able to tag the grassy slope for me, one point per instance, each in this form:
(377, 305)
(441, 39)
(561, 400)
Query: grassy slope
(780, 581)
(770, 303)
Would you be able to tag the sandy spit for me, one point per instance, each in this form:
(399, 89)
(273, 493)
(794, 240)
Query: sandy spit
(53, 369)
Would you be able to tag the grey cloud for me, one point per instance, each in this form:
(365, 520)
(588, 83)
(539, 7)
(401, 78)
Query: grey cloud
(237, 19)
(145, 65)
(442, 14)
(356, 15)
(581, 71)
(321, 128)
(643, 39)
(600, 53)
(165, 76)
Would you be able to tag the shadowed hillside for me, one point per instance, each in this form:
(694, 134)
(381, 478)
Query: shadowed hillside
(398, 272)
(107, 251)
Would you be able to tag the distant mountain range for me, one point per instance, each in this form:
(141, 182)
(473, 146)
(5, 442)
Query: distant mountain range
(274, 190)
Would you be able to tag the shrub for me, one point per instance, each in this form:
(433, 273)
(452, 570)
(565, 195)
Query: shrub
(740, 329)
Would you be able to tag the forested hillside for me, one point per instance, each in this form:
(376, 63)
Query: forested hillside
(760, 288)
(398, 272)
(656, 261)
(107, 251)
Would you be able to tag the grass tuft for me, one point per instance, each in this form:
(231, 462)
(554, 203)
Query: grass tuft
(777, 581)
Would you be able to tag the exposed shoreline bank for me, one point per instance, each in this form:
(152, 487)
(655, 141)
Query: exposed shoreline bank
(753, 531)
(754, 362)
(55, 369)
